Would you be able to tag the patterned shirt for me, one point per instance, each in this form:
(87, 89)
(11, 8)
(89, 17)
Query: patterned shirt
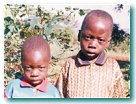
(101, 79)
(20, 88)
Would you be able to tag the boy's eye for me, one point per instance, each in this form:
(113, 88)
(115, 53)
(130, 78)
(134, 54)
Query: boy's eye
(27, 67)
(87, 37)
(41, 68)
(101, 40)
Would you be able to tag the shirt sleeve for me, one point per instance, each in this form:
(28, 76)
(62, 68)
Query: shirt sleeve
(9, 90)
(61, 83)
(5, 96)
(119, 89)
(56, 94)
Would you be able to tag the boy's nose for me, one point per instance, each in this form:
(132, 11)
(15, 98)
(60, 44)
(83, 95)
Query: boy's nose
(34, 72)
(93, 43)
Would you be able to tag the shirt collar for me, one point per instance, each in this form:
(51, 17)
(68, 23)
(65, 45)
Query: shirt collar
(43, 85)
(83, 61)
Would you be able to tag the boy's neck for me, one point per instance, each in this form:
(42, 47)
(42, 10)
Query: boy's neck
(85, 58)
(99, 60)
(37, 86)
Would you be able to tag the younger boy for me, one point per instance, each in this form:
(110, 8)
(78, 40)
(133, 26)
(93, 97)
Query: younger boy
(91, 74)
(35, 58)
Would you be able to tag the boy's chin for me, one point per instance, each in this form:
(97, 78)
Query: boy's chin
(91, 56)
(35, 83)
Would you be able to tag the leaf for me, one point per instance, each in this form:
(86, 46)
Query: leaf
(81, 12)
(6, 30)
(27, 24)
(8, 19)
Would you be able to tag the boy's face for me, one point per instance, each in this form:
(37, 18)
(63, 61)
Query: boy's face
(95, 37)
(35, 66)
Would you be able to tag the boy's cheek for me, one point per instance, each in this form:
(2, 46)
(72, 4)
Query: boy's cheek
(27, 74)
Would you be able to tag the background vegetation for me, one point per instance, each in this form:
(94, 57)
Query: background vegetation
(57, 26)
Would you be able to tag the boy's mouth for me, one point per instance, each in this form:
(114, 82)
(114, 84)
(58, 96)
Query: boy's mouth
(91, 54)
(88, 52)
(35, 79)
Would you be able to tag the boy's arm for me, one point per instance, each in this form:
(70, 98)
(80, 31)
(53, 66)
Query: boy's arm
(9, 90)
(119, 89)
(61, 83)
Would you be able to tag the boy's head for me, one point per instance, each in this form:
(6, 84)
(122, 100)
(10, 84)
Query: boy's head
(95, 33)
(35, 57)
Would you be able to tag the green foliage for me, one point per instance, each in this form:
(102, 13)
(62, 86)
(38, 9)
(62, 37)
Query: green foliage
(118, 35)
(81, 12)
(120, 41)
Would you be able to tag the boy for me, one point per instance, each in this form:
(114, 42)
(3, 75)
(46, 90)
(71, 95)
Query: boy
(35, 58)
(91, 74)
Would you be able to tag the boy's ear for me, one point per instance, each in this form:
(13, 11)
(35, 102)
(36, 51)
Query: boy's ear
(79, 35)
(108, 43)
(50, 61)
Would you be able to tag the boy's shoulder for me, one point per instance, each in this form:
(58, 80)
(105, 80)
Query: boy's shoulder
(112, 64)
(71, 58)
(52, 89)
(51, 86)
(13, 84)
(16, 81)
(111, 60)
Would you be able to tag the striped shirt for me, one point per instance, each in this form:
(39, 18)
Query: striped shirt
(81, 79)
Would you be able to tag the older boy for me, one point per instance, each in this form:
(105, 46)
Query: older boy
(35, 57)
(91, 74)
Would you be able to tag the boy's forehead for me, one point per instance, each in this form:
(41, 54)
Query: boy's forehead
(98, 16)
(96, 19)
(36, 53)
(98, 23)
(97, 27)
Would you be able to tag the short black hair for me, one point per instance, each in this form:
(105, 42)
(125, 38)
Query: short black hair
(33, 43)
(98, 13)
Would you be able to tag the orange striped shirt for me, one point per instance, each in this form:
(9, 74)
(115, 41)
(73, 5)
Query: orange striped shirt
(80, 79)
